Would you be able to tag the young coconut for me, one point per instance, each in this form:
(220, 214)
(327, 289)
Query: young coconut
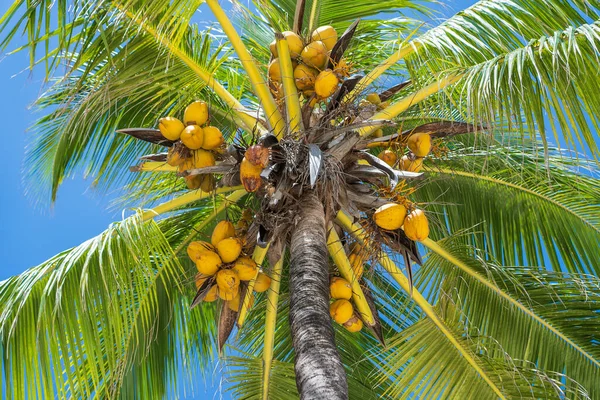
(192, 137)
(170, 127)
(234, 305)
(228, 281)
(341, 311)
(340, 289)
(227, 295)
(193, 182)
(262, 283)
(213, 138)
(208, 263)
(229, 249)
(250, 176)
(274, 71)
(315, 55)
(197, 247)
(326, 84)
(177, 154)
(294, 42)
(305, 76)
(200, 279)
(223, 230)
(246, 268)
(373, 98)
(416, 226)
(212, 294)
(390, 216)
(208, 183)
(257, 155)
(273, 48)
(342, 68)
(325, 34)
(354, 324)
(390, 157)
(407, 164)
(196, 113)
(377, 133)
(419, 144)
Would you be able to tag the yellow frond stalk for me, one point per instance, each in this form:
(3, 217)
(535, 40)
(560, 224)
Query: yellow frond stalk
(243, 118)
(381, 68)
(256, 78)
(337, 253)
(187, 198)
(292, 102)
(270, 322)
(258, 256)
(154, 166)
(404, 104)
(358, 232)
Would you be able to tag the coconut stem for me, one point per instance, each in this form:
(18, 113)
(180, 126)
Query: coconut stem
(270, 323)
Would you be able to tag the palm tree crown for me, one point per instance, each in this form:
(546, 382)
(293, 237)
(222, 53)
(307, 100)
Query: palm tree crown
(436, 187)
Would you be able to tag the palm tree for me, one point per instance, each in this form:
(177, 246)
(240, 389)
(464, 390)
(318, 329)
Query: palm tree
(506, 299)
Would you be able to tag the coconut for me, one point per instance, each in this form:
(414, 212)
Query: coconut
(295, 43)
(223, 230)
(315, 55)
(325, 34)
(246, 268)
(416, 226)
(213, 138)
(262, 283)
(373, 98)
(197, 247)
(389, 156)
(229, 249)
(196, 113)
(356, 262)
(200, 279)
(326, 83)
(273, 48)
(305, 76)
(228, 281)
(177, 154)
(274, 71)
(354, 324)
(250, 176)
(377, 133)
(208, 262)
(193, 182)
(339, 288)
(341, 311)
(407, 164)
(170, 127)
(208, 183)
(228, 295)
(203, 158)
(419, 144)
(390, 216)
(342, 68)
(192, 137)
(257, 155)
(212, 294)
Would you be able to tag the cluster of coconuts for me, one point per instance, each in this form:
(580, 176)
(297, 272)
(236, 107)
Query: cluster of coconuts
(222, 258)
(419, 145)
(195, 143)
(341, 309)
(310, 59)
(255, 160)
(393, 216)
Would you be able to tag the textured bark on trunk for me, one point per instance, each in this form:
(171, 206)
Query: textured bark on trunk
(319, 370)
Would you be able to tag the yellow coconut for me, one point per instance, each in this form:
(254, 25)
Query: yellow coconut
(419, 144)
(212, 294)
(193, 182)
(325, 34)
(354, 324)
(200, 279)
(213, 138)
(342, 68)
(305, 76)
(227, 295)
(192, 137)
(274, 71)
(208, 183)
(250, 175)
(273, 48)
(294, 42)
(246, 268)
(339, 288)
(390, 157)
(208, 262)
(326, 83)
(411, 165)
(177, 154)
(203, 158)
(357, 264)
(390, 216)
(378, 133)
(223, 230)
(383, 105)
(228, 280)
(196, 113)
(315, 55)
(170, 127)
(416, 226)
(341, 311)
(373, 98)
(262, 283)
(197, 247)
(229, 249)
(234, 304)
(258, 155)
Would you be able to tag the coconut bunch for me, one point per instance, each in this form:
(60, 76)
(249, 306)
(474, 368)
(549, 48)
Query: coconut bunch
(341, 309)
(224, 269)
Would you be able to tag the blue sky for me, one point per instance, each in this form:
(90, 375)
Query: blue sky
(30, 234)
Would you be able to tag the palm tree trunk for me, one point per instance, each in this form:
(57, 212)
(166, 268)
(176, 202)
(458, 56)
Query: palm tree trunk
(319, 370)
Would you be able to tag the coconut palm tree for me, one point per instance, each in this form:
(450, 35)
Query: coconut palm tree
(505, 297)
